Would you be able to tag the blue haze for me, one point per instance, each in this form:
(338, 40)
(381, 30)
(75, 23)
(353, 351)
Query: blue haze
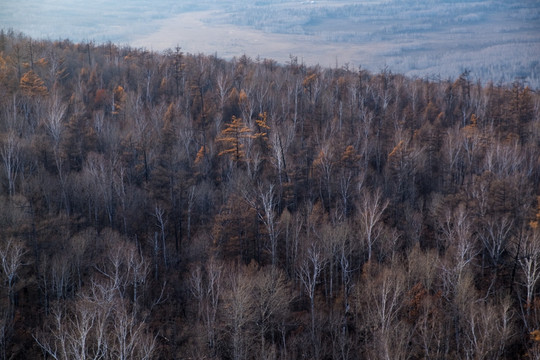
(496, 40)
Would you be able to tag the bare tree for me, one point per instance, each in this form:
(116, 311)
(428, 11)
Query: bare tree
(161, 222)
(224, 85)
(11, 256)
(240, 313)
(452, 155)
(113, 264)
(123, 266)
(4, 335)
(529, 261)
(139, 268)
(192, 197)
(99, 174)
(270, 221)
(431, 330)
(76, 333)
(271, 303)
(10, 153)
(206, 288)
(371, 208)
(325, 164)
(309, 271)
(130, 339)
(471, 145)
(96, 325)
(54, 125)
(280, 145)
(56, 110)
(458, 289)
(385, 293)
(488, 331)
(60, 274)
(379, 303)
(291, 227)
(495, 236)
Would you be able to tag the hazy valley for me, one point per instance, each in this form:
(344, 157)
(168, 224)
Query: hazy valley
(496, 40)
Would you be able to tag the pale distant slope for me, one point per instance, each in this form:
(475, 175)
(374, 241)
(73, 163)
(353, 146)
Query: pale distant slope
(194, 33)
(496, 40)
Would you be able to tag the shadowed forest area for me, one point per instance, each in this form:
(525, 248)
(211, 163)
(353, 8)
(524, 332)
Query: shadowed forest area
(179, 206)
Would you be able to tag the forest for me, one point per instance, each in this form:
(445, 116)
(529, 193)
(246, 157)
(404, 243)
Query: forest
(167, 205)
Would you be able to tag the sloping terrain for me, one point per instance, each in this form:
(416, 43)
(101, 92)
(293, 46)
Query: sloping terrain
(496, 40)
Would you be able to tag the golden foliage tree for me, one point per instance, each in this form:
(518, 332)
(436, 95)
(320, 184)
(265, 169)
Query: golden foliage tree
(32, 85)
(232, 137)
(7, 74)
(119, 99)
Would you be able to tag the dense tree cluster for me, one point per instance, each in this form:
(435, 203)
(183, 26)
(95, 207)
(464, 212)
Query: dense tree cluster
(170, 206)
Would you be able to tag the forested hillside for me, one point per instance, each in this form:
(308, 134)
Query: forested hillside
(179, 206)
(496, 40)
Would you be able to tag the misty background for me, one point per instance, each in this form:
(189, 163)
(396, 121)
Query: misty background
(497, 41)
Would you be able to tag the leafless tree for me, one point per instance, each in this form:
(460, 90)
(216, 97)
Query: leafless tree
(452, 155)
(348, 182)
(471, 145)
(224, 86)
(99, 175)
(11, 260)
(495, 236)
(10, 153)
(54, 124)
(246, 100)
(130, 339)
(309, 271)
(112, 264)
(489, 329)
(4, 335)
(240, 313)
(270, 221)
(60, 275)
(96, 325)
(381, 299)
(431, 331)
(279, 145)
(192, 196)
(75, 333)
(529, 261)
(325, 165)
(291, 228)
(56, 110)
(139, 269)
(206, 288)
(271, 298)
(161, 222)
(371, 208)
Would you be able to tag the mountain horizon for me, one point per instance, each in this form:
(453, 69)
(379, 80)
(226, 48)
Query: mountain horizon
(496, 41)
